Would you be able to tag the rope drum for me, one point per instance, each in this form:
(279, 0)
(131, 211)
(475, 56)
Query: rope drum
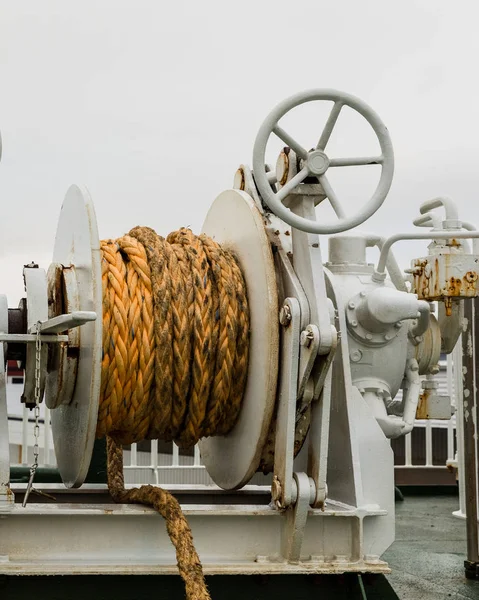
(175, 359)
(175, 338)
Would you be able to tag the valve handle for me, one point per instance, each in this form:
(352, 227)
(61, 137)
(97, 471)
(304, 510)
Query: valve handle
(316, 162)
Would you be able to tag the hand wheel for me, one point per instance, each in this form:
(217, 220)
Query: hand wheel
(316, 162)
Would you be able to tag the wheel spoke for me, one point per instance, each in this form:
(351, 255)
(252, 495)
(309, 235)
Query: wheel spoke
(292, 183)
(291, 142)
(356, 161)
(328, 190)
(330, 123)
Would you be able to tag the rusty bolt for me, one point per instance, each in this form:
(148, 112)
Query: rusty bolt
(239, 180)
(471, 276)
(285, 315)
(276, 492)
(282, 166)
(306, 338)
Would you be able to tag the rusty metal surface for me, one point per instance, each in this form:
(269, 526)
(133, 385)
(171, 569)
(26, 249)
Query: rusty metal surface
(445, 275)
(62, 366)
(433, 406)
(469, 430)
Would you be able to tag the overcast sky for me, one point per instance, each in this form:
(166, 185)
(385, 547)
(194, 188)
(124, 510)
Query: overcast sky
(153, 105)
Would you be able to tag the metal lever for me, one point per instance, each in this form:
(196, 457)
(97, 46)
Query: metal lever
(64, 322)
(30, 485)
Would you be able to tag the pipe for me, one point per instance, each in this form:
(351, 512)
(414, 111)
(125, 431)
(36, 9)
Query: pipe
(392, 266)
(379, 273)
(441, 201)
(433, 221)
(475, 242)
(423, 320)
(428, 220)
(412, 394)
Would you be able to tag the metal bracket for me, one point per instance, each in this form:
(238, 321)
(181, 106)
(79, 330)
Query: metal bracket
(292, 287)
(309, 341)
(308, 266)
(319, 442)
(65, 322)
(295, 519)
(286, 417)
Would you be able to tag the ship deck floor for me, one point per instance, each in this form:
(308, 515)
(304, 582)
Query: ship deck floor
(428, 555)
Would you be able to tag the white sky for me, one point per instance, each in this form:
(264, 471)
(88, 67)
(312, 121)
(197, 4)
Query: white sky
(153, 105)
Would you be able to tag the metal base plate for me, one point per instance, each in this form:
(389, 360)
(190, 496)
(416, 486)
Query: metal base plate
(236, 223)
(93, 538)
(73, 425)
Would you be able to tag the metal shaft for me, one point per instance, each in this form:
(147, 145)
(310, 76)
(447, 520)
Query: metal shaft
(469, 339)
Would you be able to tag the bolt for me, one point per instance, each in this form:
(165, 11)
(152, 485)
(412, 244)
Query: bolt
(388, 337)
(356, 355)
(418, 339)
(434, 370)
(352, 305)
(362, 294)
(306, 338)
(282, 166)
(276, 492)
(285, 315)
(398, 325)
(354, 323)
(239, 180)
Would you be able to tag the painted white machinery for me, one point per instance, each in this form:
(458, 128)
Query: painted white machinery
(331, 345)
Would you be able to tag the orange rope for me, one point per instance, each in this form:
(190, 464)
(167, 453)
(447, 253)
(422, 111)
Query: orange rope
(175, 358)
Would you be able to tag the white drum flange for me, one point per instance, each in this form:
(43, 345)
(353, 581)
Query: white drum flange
(235, 222)
(77, 245)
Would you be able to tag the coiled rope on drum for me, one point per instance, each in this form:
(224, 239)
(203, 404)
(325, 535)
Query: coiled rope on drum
(175, 357)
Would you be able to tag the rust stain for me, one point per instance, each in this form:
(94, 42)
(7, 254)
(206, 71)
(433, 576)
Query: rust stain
(285, 158)
(436, 277)
(240, 174)
(422, 411)
(433, 280)
(455, 286)
(448, 306)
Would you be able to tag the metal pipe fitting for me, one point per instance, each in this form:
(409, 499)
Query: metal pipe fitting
(423, 320)
(379, 274)
(441, 201)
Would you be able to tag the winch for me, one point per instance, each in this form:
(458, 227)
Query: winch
(341, 353)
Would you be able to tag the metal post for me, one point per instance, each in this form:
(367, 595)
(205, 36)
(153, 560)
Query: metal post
(471, 565)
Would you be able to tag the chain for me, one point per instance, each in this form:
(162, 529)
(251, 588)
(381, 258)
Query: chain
(36, 413)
